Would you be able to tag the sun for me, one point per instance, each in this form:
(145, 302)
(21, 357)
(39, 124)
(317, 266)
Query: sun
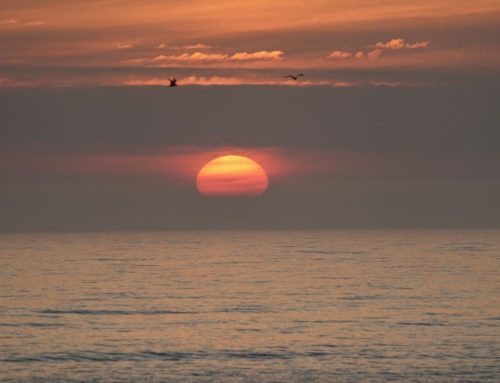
(232, 175)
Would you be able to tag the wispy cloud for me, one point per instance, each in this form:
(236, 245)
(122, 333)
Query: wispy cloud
(197, 46)
(260, 55)
(35, 23)
(234, 80)
(13, 60)
(230, 75)
(124, 45)
(397, 44)
(370, 55)
(201, 57)
(339, 55)
(191, 47)
(193, 57)
(6, 82)
(9, 21)
(19, 23)
(182, 162)
(196, 57)
(378, 49)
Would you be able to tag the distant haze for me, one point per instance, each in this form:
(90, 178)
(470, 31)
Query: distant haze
(359, 157)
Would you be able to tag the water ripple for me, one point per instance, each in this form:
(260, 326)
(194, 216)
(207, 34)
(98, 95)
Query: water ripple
(113, 312)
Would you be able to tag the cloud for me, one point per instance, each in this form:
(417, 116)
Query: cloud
(8, 21)
(340, 55)
(20, 23)
(360, 55)
(6, 82)
(175, 162)
(370, 55)
(35, 23)
(192, 46)
(197, 46)
(124, 46)
(233, 80)
(201, 57)
(394, 44)
(260, 55)
(417, 45)
(374, 54)
(196, 57)
(13, 60)
(397, 44)
(161, 46)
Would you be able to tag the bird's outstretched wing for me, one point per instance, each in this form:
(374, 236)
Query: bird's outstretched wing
(288, 75)
(300, 74)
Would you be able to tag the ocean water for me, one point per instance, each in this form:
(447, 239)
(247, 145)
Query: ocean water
(275, 306)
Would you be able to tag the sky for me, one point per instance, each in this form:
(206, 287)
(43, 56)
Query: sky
(342, 42)
(393, 125)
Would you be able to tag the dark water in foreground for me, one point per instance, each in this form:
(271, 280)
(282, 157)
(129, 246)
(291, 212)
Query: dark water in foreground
(304, 306)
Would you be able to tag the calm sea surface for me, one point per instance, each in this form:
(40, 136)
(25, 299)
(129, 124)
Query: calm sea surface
(296, 306)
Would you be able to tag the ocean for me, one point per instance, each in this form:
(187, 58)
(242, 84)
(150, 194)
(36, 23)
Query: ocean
(250, 306)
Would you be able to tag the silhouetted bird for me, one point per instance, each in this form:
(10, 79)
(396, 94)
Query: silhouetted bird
(173, 81)
(294, 77)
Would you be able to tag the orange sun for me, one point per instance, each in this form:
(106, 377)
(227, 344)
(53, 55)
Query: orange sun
(232, 176)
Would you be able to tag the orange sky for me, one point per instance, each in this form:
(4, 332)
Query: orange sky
(183, 163)
(241, 41)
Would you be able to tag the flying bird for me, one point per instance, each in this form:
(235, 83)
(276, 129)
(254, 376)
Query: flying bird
(173, 82)
(296, 77)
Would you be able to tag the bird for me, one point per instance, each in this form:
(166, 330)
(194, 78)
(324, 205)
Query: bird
(173, 82)
(296, 77)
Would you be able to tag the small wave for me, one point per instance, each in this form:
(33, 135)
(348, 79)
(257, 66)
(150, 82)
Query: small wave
(362, 297)
(466, 247)
(255, 355)
(97, 357)
(113, 312)
(34, 325)
(420, 324)
(245, 309)
(314, 251)
(325, 321)
(157, 355)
